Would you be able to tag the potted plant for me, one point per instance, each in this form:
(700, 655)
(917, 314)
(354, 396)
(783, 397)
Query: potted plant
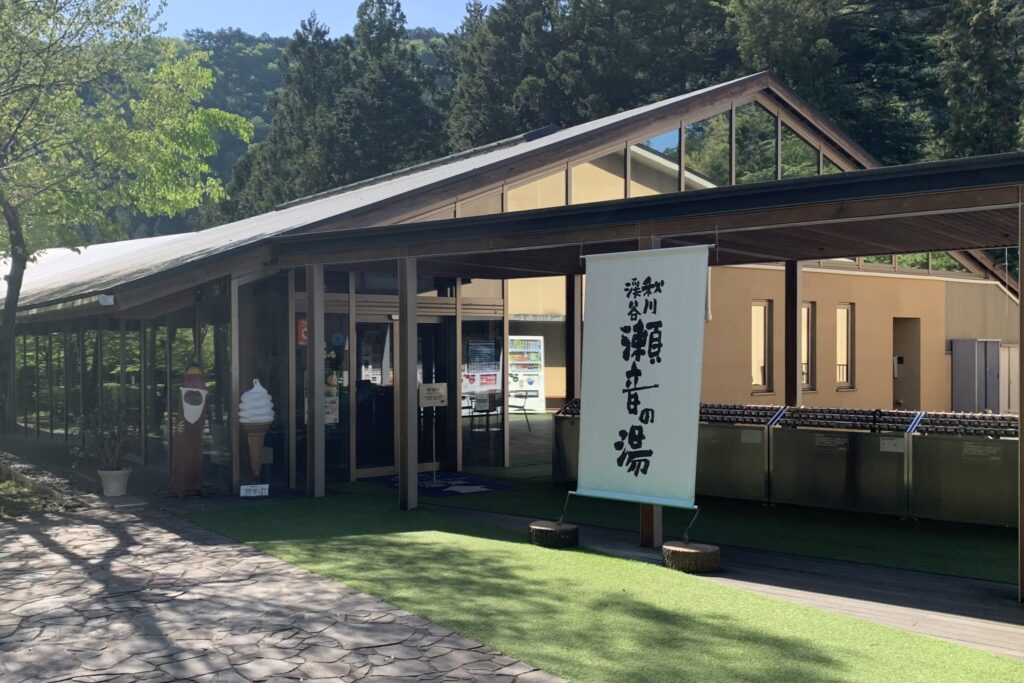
(105, 435)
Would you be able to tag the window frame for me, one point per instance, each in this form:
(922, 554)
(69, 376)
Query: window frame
(849, 383)
(768, 347)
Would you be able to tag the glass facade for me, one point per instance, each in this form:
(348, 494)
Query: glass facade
(654, 165)
(756, 153)
(799, 157)
(541, 193)
(708, 152)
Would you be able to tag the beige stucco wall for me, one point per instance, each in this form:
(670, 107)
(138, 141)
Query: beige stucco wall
(978, 310)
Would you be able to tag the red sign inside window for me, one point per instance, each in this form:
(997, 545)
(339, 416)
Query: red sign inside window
(302, 332)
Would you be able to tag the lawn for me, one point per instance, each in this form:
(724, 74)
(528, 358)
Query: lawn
(580, 615)
(957, 549)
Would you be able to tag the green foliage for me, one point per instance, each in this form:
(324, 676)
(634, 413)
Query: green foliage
(980, 75)
(348, 109)
(96, 117)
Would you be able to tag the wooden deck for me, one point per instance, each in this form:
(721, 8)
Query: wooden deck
(981, 614)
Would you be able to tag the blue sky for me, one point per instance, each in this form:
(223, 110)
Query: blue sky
(282, 17)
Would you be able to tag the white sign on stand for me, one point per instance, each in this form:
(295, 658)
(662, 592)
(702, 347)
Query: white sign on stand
(642, 355)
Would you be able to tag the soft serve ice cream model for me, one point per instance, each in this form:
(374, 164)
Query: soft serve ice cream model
(255, 413)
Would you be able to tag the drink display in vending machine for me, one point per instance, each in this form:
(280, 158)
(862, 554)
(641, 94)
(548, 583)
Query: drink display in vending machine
(526, 372)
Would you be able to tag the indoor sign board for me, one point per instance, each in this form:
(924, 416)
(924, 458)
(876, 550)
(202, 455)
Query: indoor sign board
(434, 395)
(643, 348)
(254, 490)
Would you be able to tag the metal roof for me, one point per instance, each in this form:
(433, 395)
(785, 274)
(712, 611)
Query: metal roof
(61, 275)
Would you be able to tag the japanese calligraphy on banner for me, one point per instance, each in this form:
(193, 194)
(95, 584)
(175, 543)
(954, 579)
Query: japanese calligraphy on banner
(643, 348)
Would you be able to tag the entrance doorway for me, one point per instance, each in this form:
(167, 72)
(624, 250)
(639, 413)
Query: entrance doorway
(906, 363)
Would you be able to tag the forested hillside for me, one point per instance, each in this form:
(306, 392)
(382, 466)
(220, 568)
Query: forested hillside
(908, 79)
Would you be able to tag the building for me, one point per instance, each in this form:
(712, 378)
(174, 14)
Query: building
(122, 322)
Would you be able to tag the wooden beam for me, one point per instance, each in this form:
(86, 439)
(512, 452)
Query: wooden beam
(408, 413)
(315, 440)
(792, 384)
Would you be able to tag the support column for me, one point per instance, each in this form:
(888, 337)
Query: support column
(315, 446)
(791, 382)
(573, 335)
(408, 471)
(650, 515)
(236, 385)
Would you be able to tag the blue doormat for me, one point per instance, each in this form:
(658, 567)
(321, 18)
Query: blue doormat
(447, 484)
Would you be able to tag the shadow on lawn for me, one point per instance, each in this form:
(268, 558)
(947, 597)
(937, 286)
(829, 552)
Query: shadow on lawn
(529, 602)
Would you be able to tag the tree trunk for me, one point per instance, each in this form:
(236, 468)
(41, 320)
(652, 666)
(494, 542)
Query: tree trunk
(19, 260)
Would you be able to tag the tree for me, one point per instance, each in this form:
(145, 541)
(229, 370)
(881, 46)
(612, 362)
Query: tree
(86, 133)
(980, 76)
(347, 110)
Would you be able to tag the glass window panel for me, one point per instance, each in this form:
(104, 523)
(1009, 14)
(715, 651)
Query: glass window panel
(807, 345)
(913, 261)
(375, 395)
(57, 384)
(483, 425)
(707, 152)
(73, 355)
(43, 383)
(829, 167)
(110, 370)
(183, 356)
(336, 397)
(760, 345)
(154, 372)
(90, 379)
(942, 261)
(599, 179)
(879, 260)
(19, 381)
(537, 194)
(755, 144)
(799, 158)
(654, 165)
(132, 391)
(844, 345)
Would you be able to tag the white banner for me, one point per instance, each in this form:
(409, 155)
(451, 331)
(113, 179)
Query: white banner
(643, 347)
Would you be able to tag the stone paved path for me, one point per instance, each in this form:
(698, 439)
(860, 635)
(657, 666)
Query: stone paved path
(112, 596)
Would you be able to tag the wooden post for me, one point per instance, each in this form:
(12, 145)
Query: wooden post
(236, 387)
(315, 444)
(573, 335)
(792, 383)
(353, 359)
(650, 515)
(292, 380)
(408, 469)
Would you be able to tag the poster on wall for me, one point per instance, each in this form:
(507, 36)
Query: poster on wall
(481, 373)
(526, 372)
(642, 355)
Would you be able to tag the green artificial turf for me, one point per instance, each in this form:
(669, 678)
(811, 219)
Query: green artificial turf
(584, 616)
(968, 550)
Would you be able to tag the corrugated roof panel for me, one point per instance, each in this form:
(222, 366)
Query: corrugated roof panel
(64, 275)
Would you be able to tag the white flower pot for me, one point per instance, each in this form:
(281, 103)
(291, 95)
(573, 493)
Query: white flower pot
(115, 482)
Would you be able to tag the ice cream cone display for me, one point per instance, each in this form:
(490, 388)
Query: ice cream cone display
(189, 422)
(256, 413)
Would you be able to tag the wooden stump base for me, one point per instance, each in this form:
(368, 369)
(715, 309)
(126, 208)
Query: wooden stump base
(554, 534)
(692, 558)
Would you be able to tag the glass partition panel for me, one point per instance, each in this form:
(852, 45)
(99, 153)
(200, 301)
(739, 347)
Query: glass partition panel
(799, 158)
(879, 260)
(654, 165)
(755, 144)
(132, 389)
(90, 371)
(599, 179)
(483, 413)
(154, 373)
(110, 366)
(180, 332)
(337, 430)
(537, 194)
(479, 206)
(58, 385)
(19, 383)
(215, 350)
(375, 395)
(829, 167)
(707, 152)
(43, 406)
(73, 356)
